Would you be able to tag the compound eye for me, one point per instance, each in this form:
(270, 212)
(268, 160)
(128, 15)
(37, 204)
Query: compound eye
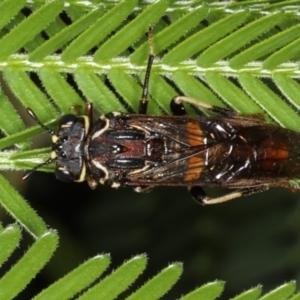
(67, 120)
(63, 175)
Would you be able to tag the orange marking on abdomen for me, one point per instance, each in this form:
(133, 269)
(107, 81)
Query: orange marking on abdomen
(272, 153)
(195, 167)
(273, 150)
(195, 163)
(194, 133)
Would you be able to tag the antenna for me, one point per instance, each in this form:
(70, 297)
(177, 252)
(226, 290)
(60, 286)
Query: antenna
(29, 173)
(37, 120)
(144, 98)
(48, 161)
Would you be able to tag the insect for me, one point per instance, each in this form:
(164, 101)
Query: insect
(233, 151)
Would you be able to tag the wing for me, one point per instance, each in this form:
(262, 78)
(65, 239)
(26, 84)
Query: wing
(189, 145)
(229, 152)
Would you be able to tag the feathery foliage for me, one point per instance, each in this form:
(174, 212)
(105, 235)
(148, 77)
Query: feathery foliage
(57, 54)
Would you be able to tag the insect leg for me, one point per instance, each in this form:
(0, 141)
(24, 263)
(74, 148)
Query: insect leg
(143, 189)
(92, 182)
(178, 108)
(89, 110)
(144, 98)
(200, 196)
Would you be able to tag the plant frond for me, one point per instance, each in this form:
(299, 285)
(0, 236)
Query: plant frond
(20, 210)
(19, 276)
(57, 54)
(85, 280)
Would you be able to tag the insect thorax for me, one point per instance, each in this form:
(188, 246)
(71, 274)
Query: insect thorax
(116, 148)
